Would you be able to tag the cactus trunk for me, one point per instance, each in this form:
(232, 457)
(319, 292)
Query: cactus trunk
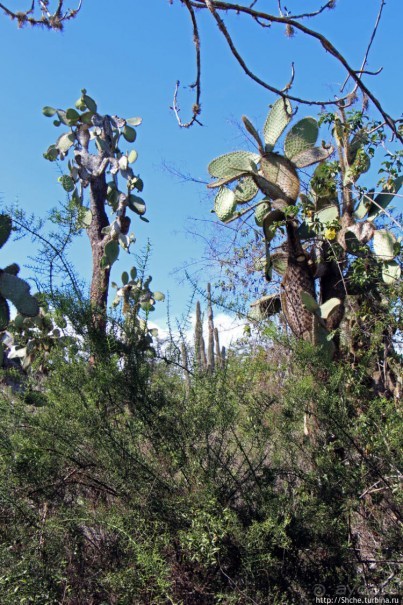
(100, 275)
(297, 279)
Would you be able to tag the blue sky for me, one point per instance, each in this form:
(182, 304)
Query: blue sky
(129, 59)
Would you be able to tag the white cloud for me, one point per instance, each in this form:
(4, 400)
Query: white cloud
(230, 329)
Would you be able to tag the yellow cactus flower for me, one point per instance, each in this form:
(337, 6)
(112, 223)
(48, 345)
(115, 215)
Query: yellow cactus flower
(330, 233)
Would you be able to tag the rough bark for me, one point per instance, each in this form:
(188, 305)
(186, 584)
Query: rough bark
(100, 276)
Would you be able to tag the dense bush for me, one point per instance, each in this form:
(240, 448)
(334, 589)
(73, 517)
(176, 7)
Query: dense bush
(119, 485)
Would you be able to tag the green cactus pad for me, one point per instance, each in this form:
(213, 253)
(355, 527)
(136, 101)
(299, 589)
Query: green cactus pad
(4, 313)
(320, 338)
(48, 111)
(269, 189)
(310, 303)
(280, 171)
(359, 139)
(65, 141)
(5, 228)
(225, 204)
(391, 272)
(364, 205)
(136, 204)
(111, 252)
(232, 164)
(310, 156)
(328, 214)
(280, 262)
(252, 131)
(16, 290)
(224, 181)
(66, 182)
(276, 121)
(302, 136)
(159, 296)
(246, 190)
(14, 269)
(383, 199)
(384, 243)
(129, 134)
(328, 308)
(265, 307)
(261, 211)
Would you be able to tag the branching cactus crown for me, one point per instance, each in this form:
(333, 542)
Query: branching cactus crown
(325, 229)
(105, 132)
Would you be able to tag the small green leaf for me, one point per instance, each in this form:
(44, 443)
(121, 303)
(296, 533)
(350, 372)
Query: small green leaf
(125, 278)
(133, 273)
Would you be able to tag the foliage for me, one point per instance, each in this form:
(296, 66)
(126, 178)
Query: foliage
(120, 484)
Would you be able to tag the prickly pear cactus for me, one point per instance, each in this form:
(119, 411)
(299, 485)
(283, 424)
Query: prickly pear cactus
(135, 296)
(12, 287)
(276, 177)
(99, 162)
(329, 236)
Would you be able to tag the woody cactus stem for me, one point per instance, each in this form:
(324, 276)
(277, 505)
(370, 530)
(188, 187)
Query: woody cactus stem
(100, 275)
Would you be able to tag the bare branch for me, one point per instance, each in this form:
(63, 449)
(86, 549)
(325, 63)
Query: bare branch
(197, 83)
(364, 62)
(215, 7)
(45, 18)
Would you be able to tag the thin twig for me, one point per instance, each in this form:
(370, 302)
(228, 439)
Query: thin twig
(197, 82)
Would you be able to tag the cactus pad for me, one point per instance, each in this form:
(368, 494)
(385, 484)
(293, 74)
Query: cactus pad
(277, 119)
(252, 131)
(232, 164)
(225, 204)
(383, 199)
(302, 136)
(310, 156)
(261, 211)
(384, 243)
(5, 228)
(246, 190)
(280, 171)
(4, 313)
(391, 272)
(17, 291)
